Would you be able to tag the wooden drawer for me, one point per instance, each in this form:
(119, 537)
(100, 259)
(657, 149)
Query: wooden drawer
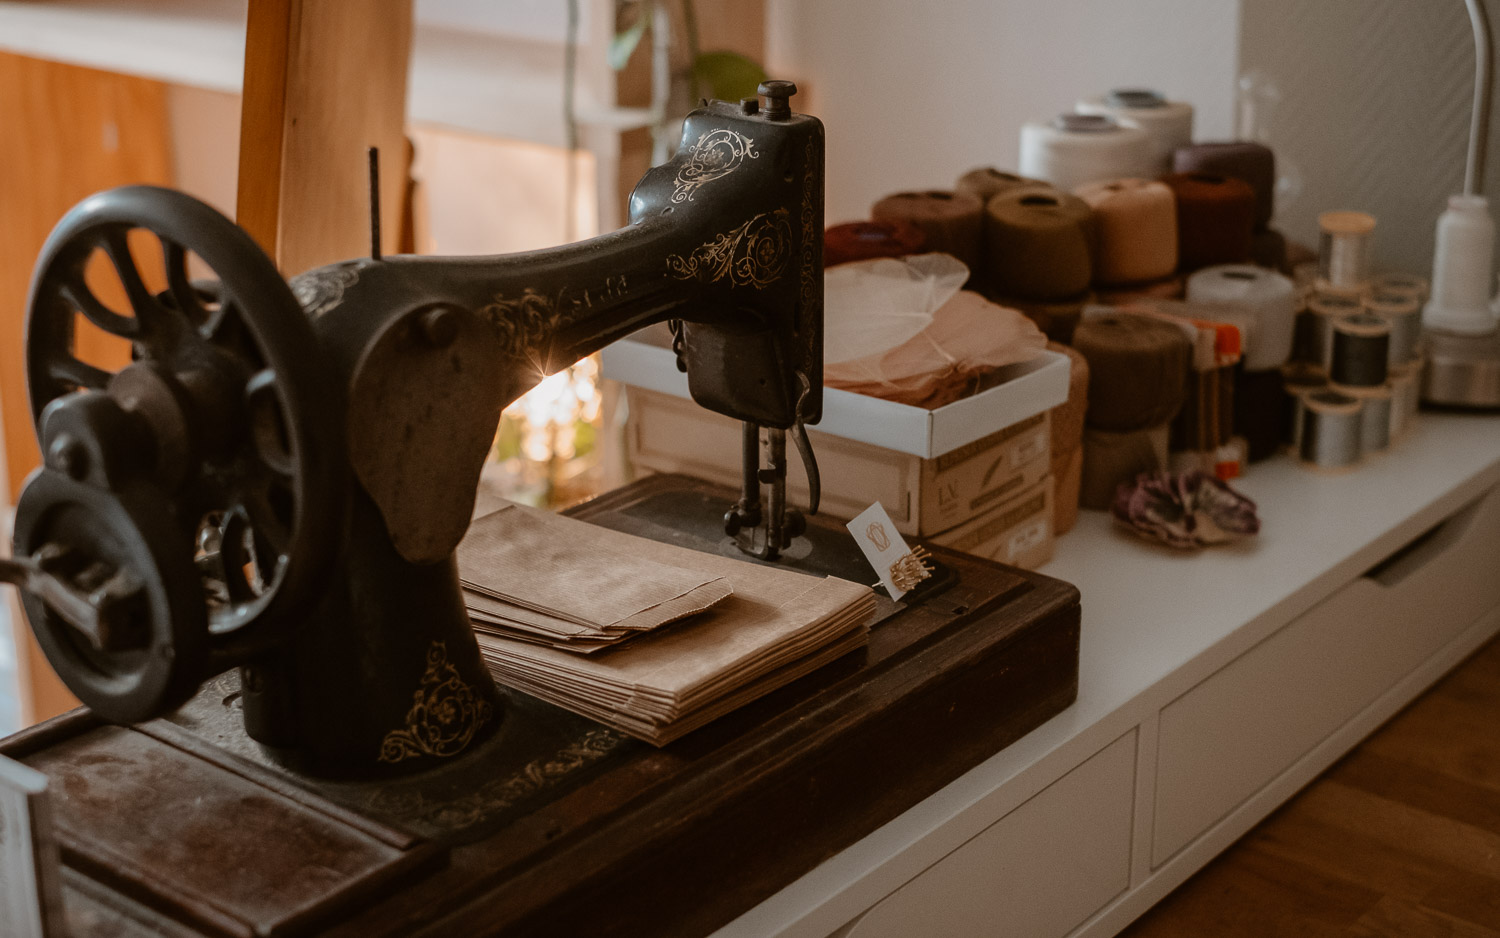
(1037, 872)
(1229, 736)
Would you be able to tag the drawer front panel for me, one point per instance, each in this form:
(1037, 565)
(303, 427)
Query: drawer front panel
(1229, 736)
(1037, 872)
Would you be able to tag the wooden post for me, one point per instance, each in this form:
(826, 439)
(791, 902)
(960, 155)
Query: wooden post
(323, 81)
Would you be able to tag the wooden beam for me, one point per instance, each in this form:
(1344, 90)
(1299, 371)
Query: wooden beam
(323, 81)
(70, 132)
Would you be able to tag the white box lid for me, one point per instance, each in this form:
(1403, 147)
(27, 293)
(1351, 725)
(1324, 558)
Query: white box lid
(1028, 389)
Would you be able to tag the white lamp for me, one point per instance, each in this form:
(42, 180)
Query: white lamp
(1463, 340)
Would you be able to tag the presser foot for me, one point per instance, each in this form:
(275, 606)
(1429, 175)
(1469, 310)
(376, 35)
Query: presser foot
(761, 522)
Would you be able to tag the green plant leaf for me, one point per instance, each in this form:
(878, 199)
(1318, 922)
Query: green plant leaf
(728, 76)
(621, 47)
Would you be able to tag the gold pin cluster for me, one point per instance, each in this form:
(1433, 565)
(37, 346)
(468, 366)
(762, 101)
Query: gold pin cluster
(911, 569)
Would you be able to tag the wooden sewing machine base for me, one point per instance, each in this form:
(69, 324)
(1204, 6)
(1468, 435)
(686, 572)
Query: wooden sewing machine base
(559, 826)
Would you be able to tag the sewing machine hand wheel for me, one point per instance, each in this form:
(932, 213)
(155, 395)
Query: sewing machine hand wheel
(227, 400)
(111, 593)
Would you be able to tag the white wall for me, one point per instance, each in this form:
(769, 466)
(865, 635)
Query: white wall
(915, 93)
(1374, 113)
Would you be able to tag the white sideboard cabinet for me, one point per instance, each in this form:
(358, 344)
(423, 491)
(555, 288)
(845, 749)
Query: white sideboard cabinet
(1212, 686)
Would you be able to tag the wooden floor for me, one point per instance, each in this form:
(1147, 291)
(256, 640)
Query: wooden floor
(1400, 838)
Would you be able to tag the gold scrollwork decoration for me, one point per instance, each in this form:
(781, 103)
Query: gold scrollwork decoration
(523, 322)
(495, 795)
(754, 254)
(716, 154)
(811, 241)
(445, 714)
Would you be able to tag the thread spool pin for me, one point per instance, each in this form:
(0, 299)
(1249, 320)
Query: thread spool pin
(777, 94)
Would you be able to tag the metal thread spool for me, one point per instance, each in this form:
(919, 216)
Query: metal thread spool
(1405, 399)
(1375, 407)
(1344, 250)
(1330, 430)
(1300, 379)
(1401, 311)
(1326, 309)
(1361, 350)
(1407, 284)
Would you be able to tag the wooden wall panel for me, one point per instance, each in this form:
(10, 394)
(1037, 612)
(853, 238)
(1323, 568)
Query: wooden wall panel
(69, 132)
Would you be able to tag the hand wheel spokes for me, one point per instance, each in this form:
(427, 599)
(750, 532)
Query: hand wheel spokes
(231, 370)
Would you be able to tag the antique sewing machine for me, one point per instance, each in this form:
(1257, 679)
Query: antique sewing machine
(272, 491)
(278, 481)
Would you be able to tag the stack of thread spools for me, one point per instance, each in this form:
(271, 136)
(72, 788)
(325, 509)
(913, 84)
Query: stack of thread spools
(1154, 258)
(1138, 368)
(1354, 385)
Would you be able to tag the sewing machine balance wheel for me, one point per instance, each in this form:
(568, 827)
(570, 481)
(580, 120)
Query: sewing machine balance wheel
(224, 410)
(112, 598)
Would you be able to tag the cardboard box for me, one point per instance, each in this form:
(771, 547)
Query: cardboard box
(666, 433)
(1028, 388)
(1018, 532)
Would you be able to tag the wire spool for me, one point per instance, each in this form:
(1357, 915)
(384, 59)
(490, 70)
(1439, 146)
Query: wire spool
(1408, 284)
(1206, 420)
(1361, 351)
(1068, 417)
(1268, 249)
(1215, 219)
(1073, 149)
(1299, 379)
(1167, 288)
(863, 240)
(1375, 407)
(1038, 244)
(1057, 319)
(1402, 312)
(950, 223)
(1270, 300)
(1405, 398)
(1067, 474)
(1112, 458)
(1169, 123)
(1252, 163)
(1262, 412)
(1135, 224)
(1344, 251)
(1331, 426)
(1138, 369)
(986, 182)
(1325, 309)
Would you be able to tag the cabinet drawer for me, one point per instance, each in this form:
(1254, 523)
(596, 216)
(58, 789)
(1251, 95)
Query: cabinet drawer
(1037, 872)
(1229, 736)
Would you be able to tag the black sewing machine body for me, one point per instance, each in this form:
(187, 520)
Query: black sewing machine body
(327, 478)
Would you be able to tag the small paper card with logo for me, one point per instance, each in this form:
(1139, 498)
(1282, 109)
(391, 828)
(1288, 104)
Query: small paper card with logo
(900, 568)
